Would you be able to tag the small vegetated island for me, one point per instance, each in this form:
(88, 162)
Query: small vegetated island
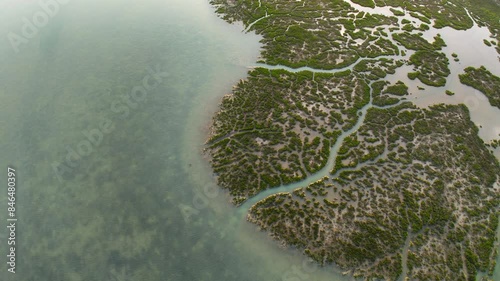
(483, 80)
(411, 192)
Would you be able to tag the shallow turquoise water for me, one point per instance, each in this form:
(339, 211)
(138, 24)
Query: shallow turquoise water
(140, 203)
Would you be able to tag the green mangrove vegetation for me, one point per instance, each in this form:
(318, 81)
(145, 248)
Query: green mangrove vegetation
(410, 189)
(431, 67)
(321, 34)
(483, 80)
(453, 13)
(375, 69)
(277, 127)
(437, 172)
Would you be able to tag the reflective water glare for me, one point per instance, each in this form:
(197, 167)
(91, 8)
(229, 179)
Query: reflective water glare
(103, 113)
